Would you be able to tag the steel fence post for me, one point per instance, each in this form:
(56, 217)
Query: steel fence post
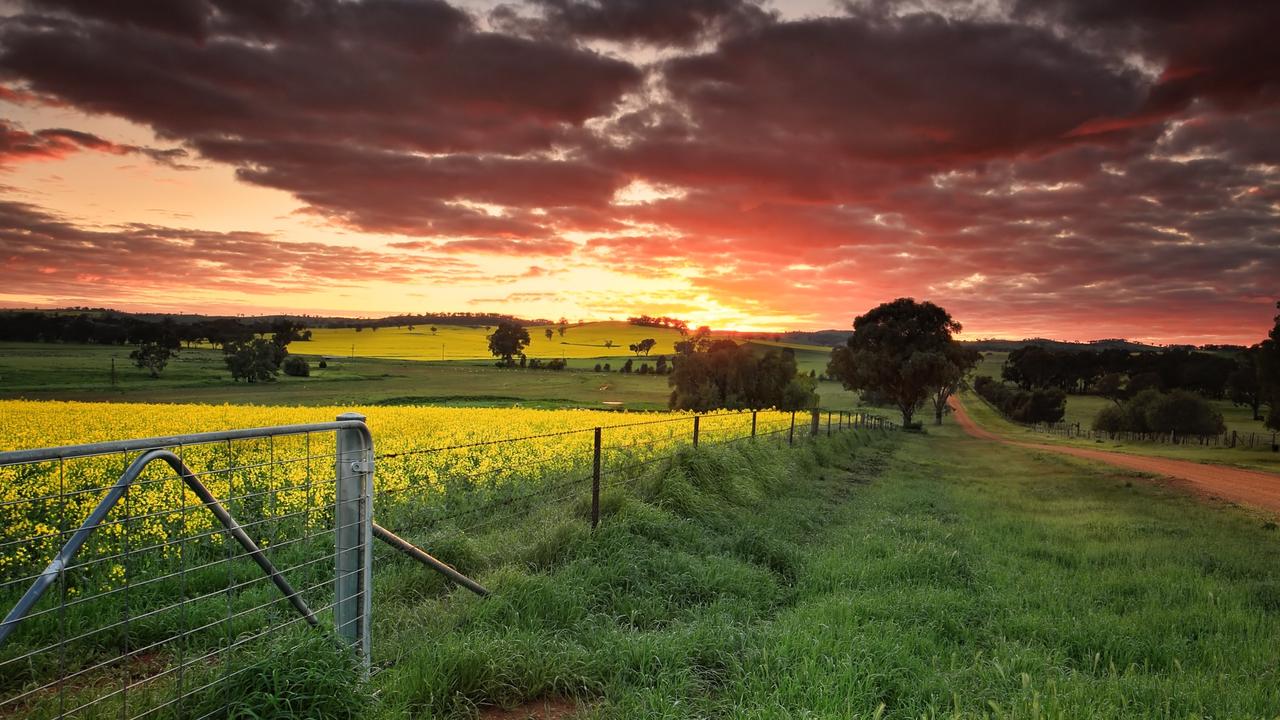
(595, 483)
(353, 519)
(791, 434)
(753, 423)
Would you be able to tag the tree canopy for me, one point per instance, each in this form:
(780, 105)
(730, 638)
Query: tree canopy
(508, 340)
(1269, 372)
(903, 351)
(727, 375)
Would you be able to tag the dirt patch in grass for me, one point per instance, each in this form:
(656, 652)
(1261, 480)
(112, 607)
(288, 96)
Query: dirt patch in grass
(541, 709)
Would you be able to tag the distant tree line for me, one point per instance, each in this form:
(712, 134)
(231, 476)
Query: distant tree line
(661, 366)
(681, 326)
(1036, 366)
(464, 319)
(120, 329)
(1247, 376)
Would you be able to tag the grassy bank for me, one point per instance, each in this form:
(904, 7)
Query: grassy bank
(943, 577)
(1259, 458)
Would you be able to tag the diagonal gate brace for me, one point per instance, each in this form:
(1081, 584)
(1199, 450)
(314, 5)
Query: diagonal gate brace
(421, 556)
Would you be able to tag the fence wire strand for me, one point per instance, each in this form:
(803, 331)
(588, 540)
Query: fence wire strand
(163, 594)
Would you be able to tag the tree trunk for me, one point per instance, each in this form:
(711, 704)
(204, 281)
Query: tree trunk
(937, 414)
(906, 416)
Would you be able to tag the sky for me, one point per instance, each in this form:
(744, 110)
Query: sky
(1077, 169)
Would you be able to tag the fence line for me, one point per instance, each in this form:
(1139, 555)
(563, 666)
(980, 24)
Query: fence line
(1226, 439)
(169, 564)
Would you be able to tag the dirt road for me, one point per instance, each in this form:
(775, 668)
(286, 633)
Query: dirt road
(1248, 487)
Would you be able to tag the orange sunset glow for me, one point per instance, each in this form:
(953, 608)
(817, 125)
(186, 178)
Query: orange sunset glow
(1077, 170)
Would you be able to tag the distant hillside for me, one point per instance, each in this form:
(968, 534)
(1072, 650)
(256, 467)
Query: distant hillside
(820, 338)
(623, 332)
(998, 345)
(311, 321)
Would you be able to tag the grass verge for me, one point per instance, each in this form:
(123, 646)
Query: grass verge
(1261, 458)
(960, 579)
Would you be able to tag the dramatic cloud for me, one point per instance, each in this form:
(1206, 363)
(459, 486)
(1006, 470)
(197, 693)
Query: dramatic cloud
(1042, 167)
(17, 145)
(45, 255)
(657, 22)
(406, 86)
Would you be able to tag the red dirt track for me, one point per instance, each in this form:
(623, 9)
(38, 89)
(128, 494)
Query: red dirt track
(1247, 487)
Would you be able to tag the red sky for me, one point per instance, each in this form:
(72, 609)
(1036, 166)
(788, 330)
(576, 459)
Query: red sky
(1067, 168)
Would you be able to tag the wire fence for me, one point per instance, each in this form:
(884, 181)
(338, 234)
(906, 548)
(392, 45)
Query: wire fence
(1225, 439)
(140, 573)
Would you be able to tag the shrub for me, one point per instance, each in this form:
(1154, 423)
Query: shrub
(296, 366)
(1178, 412)
(1041, 405)
(1184, 413)
(323, 364)
(597, 367)
(1110, 419)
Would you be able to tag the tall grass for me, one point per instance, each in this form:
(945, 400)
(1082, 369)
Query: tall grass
(949, 578)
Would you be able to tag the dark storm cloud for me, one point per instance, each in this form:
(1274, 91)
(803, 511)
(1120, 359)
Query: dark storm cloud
(397, 106)
(914, 89)
(657, 22)
(18, 145)
(1222, 51)
(1060, 155)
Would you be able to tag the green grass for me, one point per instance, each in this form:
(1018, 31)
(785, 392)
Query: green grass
(953, 578)
(40, 371)
(915, 576)
(1260, 458)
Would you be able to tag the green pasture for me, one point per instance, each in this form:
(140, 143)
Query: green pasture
(40, 371)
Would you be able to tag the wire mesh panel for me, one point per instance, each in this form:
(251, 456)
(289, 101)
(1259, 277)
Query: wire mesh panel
(156, 571)
(144, 575)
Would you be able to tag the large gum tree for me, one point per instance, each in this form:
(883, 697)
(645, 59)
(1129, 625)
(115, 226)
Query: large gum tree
(902, 351)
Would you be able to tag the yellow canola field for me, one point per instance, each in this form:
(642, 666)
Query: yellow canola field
(282, 485)
(455, 342)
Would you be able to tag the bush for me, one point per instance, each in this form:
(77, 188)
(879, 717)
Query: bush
(1041, 405)
(1151, 411)
(297, 366)
(597, 367)
(323, 364)
(1111, 419)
